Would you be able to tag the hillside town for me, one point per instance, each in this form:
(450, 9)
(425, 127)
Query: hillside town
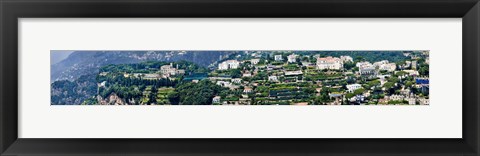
(296, 80)
(274, 78)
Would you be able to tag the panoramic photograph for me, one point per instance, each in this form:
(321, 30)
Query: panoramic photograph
(257, 77)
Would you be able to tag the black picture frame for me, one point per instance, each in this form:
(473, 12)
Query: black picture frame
(11, 10)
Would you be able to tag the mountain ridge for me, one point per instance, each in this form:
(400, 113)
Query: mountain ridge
(81, 63)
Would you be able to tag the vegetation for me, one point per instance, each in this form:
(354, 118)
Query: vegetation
(65, 92)
(266, 81)
(189, 93)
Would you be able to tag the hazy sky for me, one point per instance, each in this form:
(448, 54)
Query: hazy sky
(59, 55)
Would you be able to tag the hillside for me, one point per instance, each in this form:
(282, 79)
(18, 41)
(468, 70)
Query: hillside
(88, 62)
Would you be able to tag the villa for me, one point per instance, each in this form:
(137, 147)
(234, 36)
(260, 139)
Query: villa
(169, 70)
(229, 64)
(329, 63)
(292, 58)
(367, 70)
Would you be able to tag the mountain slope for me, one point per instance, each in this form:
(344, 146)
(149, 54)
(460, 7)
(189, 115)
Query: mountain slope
(88, 62)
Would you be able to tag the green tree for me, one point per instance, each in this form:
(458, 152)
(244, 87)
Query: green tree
(424, 70)
(235, 73)
(349, 65)
(349, 95)
(359, 91)
(388, 85)
(200, 93)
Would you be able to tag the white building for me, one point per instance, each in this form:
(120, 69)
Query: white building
(278, 57)
(411, 100)
(224, 83)
(272, 78)
(362, 64)
(424, 101)
(292, 58)
(351, 88)
(346, 59)
(247, 90)
(414, 65)
(216, 99)
(254, 61)
(367, 70)
(329, 63)
(237, 80)
(388, 67)
(102, 84)
(411, 72)
(151, 76)
(406, 92)
(379, 63)
(170, 70)
(396, 97)
(293, 73)
(247, 74)
(229, 64)
(407, 64)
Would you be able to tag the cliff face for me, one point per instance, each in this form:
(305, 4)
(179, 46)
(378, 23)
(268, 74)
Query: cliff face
(112, 99)
(73, 92)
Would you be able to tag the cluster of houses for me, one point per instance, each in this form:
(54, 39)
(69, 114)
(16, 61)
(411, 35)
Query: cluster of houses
(278, 71)
(329, 62)
(405, 95)
(380, 70)
(369, 69)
